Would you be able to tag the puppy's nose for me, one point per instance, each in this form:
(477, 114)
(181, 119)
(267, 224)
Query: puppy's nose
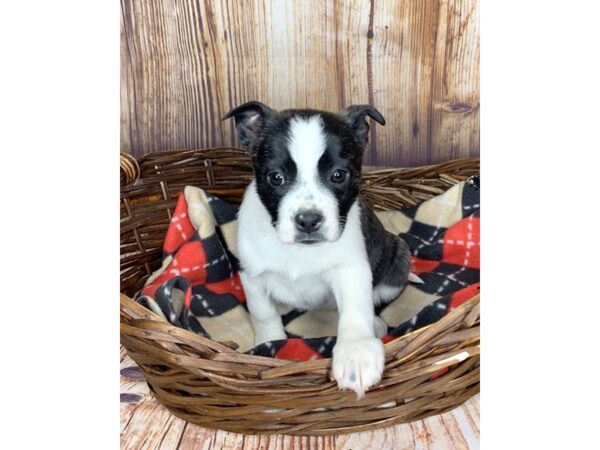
(308, 221)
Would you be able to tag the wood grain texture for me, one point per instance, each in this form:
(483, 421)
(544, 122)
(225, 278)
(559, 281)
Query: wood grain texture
(185, 63)
(145, 424)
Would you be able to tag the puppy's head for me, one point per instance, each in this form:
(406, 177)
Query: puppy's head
(307, 165)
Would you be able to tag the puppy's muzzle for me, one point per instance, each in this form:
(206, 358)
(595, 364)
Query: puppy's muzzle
(308, 221)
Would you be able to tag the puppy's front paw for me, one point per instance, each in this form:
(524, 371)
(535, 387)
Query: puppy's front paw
(358, 364)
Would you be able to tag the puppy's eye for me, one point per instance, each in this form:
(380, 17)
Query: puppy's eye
(276, 178)
(339, 176)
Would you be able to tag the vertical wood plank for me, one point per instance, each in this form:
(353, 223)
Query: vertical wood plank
(403, 52)
(151, 426)
(398, 437)
(455, 96)
(197, 438)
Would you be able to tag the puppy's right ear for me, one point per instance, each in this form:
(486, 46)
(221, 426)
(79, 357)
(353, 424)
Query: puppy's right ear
(250, 120)
(356, 114)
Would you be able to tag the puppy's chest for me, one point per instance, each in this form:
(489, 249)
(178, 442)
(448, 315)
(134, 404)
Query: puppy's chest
(296, 276)
(304, 292)
(297, 261)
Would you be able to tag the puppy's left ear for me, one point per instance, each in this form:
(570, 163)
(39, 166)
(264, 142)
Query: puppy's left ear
(356, 115)
(250, 119)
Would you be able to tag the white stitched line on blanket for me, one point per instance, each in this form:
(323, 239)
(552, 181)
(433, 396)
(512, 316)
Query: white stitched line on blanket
(176, 272)
(176, 218)
(428, 241)
(453, 242)
(232, 283)
(469, 239)
(418, 238)
(325, 342)
(180, 229)
(215, 261)
(451, 277)
(467, 255)
(467, 207)
(448, 279)
(205, 304)
(440, 306)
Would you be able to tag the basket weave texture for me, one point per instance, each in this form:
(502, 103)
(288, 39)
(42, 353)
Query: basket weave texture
(208, 383)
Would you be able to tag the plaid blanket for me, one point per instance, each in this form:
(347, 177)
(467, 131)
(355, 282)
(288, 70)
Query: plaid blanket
(198, 285)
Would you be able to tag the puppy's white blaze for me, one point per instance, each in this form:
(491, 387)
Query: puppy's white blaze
(307, 142)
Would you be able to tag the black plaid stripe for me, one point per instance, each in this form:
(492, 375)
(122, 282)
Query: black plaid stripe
(423, 240)
(206, 303)
(164, 298)
(471, 198)
(323, 345)
(195, 326)
(233, 261)
(223, 212)
(410, 212)
(447, 278)
(267, 348)
(428, 315)
(291, 316)
(218, 267)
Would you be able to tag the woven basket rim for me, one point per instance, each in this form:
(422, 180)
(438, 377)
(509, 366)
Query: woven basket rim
(127, 303)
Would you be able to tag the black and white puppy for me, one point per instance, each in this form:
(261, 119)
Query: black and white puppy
(306, 239)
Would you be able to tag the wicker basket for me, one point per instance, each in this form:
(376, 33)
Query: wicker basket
(210, 384)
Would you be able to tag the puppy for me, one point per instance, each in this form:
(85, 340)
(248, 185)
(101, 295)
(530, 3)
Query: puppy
(306, 239)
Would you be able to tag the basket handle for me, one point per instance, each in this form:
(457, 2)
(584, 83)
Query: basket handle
(130, 170)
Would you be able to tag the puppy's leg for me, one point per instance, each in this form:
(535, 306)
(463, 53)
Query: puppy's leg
(266, 322)
(283, 309)
(396, 274)
(358, 355)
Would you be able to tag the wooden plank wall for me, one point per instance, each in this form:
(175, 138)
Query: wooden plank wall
(187, 62)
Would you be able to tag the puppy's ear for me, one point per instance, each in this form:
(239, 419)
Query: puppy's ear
(356, 115)
(250, 119)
